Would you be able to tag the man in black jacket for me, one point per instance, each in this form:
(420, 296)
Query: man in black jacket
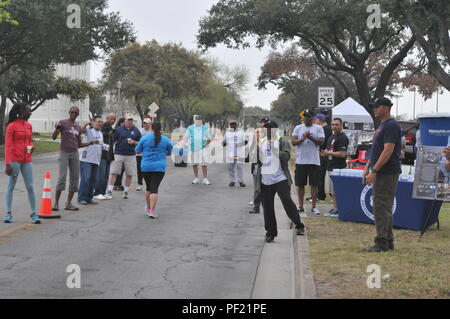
(107, 158)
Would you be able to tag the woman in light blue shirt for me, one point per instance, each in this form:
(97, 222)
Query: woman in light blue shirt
(154, 148)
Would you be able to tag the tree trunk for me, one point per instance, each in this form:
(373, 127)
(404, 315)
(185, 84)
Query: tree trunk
(3, 99)
(364, 95)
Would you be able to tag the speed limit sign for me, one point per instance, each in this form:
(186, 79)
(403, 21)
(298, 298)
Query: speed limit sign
(326, 97)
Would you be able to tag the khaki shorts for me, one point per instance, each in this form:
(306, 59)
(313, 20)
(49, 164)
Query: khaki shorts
(329, 189)
(120, 161)
(197, 158)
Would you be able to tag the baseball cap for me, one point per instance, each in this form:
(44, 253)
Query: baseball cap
(309, 112)
(233, 122)
(129, 117)
(271, 124)
(383, 101)
(321, 117)
(265, 120)
(148, 121)
(198, 118)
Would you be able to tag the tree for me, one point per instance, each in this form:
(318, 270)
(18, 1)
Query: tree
(251, 116)
(429, 21)
(336, 33)
(35, 87)
(296, 73)
(168, 74)
(285, 108)
(42, 36)
(219, 105)
(5, 15)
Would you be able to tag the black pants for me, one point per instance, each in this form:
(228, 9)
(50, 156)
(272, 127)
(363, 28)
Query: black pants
(139, 170)
(323, 172)
(119, 179)
(153, 180)
(268, 197)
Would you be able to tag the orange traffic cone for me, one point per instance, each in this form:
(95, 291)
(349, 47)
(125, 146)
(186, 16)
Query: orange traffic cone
(46, 202)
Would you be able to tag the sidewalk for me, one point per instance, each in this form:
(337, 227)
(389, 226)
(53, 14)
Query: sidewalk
(284, 271)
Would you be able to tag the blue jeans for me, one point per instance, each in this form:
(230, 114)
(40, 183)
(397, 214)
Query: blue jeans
(102, 178)
(27, 173)
(88, 173)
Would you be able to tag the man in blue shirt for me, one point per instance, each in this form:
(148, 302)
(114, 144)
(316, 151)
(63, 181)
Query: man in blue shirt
(197, 139)
(126, 137)
(383, 171)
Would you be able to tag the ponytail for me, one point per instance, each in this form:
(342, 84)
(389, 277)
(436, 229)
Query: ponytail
(14, 114)
(157, 131)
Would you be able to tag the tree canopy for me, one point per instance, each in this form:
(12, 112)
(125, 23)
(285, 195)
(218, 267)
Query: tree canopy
(5, 15)
(35, 87)
(181, 81)
(429, 21)
(41, 37)
(334, 33)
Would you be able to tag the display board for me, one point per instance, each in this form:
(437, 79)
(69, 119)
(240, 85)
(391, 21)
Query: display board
(430, 182)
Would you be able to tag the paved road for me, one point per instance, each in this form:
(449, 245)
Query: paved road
(205, 244)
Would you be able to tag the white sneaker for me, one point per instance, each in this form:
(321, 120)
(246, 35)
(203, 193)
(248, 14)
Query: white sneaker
(251, 203)
(196, 181)
(108, 196)
(139, 188)
(315, 211)
(100, 197)
(206, 182)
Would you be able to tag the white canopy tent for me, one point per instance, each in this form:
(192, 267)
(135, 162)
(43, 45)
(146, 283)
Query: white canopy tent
(351, 111)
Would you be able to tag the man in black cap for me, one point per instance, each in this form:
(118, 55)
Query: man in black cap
(382, 171)
(307, 139)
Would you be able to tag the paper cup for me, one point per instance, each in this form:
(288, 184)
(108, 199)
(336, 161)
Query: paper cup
(29, 148)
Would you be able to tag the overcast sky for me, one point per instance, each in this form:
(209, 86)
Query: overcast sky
(178, 21)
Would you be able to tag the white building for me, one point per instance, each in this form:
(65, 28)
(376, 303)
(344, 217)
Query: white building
(47, 115)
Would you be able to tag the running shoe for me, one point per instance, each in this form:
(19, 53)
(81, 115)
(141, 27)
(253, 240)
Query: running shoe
(109, 195)
(315, 211)
(8, 219)
(269, 238)
(206, 182)
(196, 181)
(151, 215)
(35, 219)
(100, 197)
(125, 195)
(139, 188)
(332, 213)
(242, 185)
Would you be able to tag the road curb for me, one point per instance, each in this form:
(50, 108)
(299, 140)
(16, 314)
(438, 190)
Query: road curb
(304, 286)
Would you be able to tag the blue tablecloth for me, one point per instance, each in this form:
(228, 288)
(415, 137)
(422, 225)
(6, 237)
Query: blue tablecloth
(355, 204)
